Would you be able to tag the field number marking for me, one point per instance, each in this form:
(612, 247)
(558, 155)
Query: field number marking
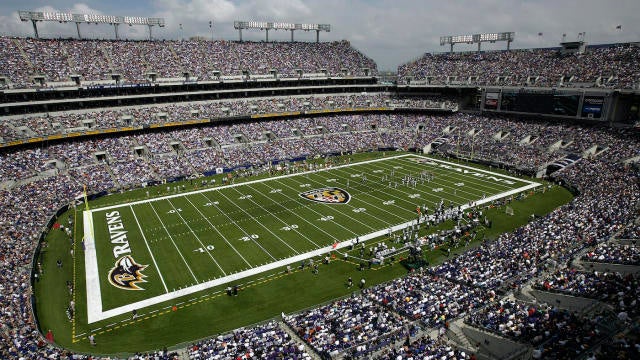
(289, 227)
(205, 249)
(326, 218)
(249, 237)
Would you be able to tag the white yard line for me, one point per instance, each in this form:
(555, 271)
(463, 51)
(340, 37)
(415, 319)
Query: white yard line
(408, 190)
(342, 214)
(309, 206)
(278, 218)
(368, 204)
(174, 243)
(244, 183)
(258, 222)
(148, 248)
(240, 227)
(197, 237)
(218, 231)
(94, 300)
(478, 183)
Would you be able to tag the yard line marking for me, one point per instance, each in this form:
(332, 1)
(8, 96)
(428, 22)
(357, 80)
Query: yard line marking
(239, 227)
(471, 169)
(467, 179)
(366, 213)
(153, 258)
(245, 183)
(174, 243)
(447, 185)
(300, 217)
(194, 234)
(309, 206)
(218, 231)
(94, 305)
(282, 221)
(478, 185)
(427, 193)
(266, 228)
(377, 207)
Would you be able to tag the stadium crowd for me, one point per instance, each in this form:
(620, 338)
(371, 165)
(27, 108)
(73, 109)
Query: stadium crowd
(609, 193)
(621, 291)
(614, 253)
(611, 66)
(554, 332)
(37, 125)
(96, 61)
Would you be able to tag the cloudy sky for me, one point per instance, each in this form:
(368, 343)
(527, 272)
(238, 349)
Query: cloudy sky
(392, 32)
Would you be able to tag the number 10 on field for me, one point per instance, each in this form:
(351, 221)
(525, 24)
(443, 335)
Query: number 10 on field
(204, 249)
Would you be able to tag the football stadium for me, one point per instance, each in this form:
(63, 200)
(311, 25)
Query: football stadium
(177, 193)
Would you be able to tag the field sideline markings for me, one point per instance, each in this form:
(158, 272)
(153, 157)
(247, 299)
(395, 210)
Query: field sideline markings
(95, 312)
(174, 243)
(239, 227)
(277, 264)
(218, 231)
(75, 289)
(197, 237)
(153, 258)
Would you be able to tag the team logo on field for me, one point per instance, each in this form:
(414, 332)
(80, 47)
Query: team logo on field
(127, 273)
(328, 195)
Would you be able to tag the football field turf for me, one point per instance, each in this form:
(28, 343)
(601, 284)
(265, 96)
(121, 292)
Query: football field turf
(150, 251)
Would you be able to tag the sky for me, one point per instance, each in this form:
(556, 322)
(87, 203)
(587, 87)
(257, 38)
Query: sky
(390, 32)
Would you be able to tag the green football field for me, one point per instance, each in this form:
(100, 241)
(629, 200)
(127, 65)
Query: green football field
(154, 250)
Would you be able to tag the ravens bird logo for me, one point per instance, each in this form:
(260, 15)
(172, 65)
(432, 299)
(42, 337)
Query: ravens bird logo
(127, 273)
(328, 195)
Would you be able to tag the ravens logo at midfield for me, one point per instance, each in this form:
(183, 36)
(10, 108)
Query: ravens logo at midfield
(328, 195)
(127, 273)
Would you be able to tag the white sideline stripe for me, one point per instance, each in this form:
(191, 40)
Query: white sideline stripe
(94, 296)
(153, 258)
(94, 299)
